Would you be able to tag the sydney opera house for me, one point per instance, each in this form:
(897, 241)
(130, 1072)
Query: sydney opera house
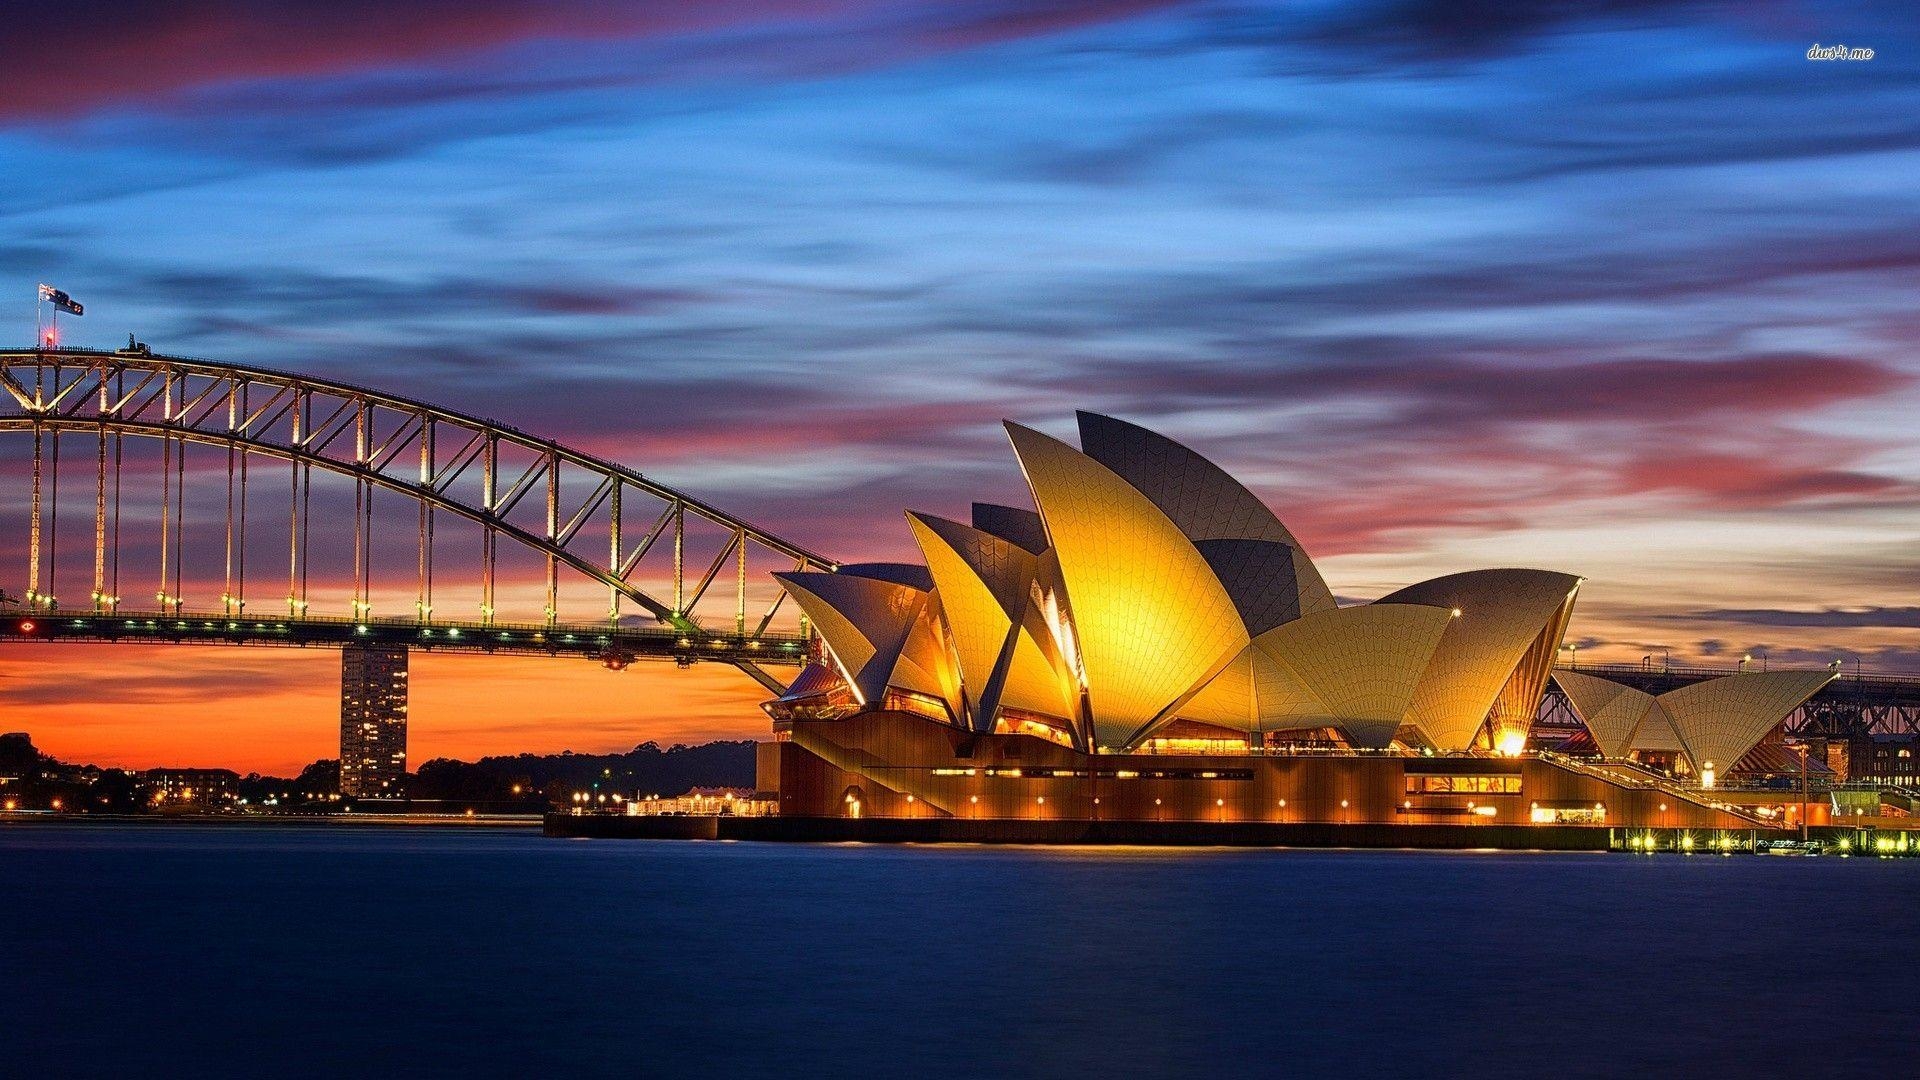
(1151, 643)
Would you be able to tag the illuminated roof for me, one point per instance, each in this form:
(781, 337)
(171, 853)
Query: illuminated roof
(1362, 664)
(864, 622)
(1713, 722)
(1152, 586)
(1656, 732)
(1256, 693)
(926, 663)
(1503, 614)
(1199, 496)
(1612, 711)
(1719, 720)
(1150, 620)
(985, 586)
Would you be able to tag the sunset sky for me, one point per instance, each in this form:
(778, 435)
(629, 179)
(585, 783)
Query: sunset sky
(1625, 289)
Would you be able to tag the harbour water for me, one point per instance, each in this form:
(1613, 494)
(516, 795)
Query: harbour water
(312, 951)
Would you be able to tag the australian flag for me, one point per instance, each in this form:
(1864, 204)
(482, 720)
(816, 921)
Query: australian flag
(61, 300)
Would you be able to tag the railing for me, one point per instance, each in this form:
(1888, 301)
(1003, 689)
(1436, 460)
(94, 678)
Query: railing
(1848, 675)
(1629, 774)
(614, 645)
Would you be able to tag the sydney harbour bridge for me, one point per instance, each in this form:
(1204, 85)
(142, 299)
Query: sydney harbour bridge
(181, 501)
(192, 502)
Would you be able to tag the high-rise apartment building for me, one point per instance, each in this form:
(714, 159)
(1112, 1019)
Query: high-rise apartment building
(373, 721)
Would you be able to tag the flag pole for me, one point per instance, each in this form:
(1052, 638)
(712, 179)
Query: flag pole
(47, 329)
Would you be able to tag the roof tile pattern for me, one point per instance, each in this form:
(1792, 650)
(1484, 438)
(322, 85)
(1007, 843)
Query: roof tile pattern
(1151, 621)
(1719, 720)
(984, 584)
(1258, 693)
(1714, 723)
(1362, 664)
(1199, 496)
(1228, 701)
(1612, 711)
(1501, 615)
(1657, 732)
(1260, 576)
(1022, 528)
(864, 622)
(1151, 586)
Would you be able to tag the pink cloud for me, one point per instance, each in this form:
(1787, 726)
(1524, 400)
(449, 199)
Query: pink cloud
(132, 53)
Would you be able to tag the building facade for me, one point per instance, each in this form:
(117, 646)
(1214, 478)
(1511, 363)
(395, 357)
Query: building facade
(1151, 643)
(896, 764)
(191, 789)
(373, 721)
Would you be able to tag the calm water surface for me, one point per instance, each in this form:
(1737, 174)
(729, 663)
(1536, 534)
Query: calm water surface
(293, 952)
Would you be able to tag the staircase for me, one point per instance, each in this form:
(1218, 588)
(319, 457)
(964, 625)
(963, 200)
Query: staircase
(1633, 776)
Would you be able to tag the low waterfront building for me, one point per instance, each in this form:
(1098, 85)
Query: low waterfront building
(192, 789)
(703, 802)
(1891, 760)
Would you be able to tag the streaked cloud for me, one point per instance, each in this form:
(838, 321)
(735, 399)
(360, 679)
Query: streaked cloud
(1876, 617)
(1623, 287)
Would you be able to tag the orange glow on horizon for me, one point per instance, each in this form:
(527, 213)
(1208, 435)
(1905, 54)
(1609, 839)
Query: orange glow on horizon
(274, 711)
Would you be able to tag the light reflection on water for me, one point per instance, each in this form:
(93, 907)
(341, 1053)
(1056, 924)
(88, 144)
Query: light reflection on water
(208, 951)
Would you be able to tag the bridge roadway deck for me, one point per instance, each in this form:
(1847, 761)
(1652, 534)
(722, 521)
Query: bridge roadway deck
(613, 645)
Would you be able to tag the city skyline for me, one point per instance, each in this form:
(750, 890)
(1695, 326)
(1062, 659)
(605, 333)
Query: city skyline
(1625, 294)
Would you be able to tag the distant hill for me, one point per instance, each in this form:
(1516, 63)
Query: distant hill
(523, 781)
(647, 769)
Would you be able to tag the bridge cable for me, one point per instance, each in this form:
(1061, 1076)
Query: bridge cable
(240, 575)
(179, 525)
(166, 508)
(100, 517)
(33, 538)
(226, 591)
(53, 525)
(119, 453)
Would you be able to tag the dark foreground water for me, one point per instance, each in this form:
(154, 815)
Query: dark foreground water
(293, 952)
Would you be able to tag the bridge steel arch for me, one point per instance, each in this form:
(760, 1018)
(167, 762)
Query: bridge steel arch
(382, 441)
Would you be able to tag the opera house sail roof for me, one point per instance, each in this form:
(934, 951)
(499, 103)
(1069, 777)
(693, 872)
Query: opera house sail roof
(1151, 593)
(1711, 725)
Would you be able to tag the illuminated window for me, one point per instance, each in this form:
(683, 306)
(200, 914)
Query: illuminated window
(908, 701)
(1424, 784)
(1038, 729)
(1194, 746)
(1582, 814)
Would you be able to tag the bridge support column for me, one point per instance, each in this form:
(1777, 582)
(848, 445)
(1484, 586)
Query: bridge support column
(373, 721)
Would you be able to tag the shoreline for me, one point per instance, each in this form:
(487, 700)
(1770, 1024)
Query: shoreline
(345, 821)
(816, 830)
(1067, 832)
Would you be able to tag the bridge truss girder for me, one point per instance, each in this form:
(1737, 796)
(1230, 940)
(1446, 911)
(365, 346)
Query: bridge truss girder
(536, 493)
